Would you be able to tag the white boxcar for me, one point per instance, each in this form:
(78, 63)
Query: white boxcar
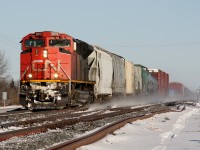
(101, 71)
(129, 70)
(138, 79)
(118, 85)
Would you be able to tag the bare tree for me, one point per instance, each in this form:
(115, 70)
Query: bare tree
(3, 65)
(6, 83)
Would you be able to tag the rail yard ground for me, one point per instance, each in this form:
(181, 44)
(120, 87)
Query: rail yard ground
(169, 130)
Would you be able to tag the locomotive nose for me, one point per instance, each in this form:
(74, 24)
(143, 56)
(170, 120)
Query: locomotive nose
(44, 65)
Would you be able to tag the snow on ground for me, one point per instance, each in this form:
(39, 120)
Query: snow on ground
(169, 131)
(9, 108)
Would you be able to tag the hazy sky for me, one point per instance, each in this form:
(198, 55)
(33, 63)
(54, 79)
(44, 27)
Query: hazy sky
(162, 34)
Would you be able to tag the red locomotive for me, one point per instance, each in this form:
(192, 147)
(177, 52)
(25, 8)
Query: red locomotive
(52, 66)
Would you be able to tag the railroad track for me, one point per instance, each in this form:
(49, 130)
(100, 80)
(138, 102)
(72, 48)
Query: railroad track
(67, 120)
(14, 113)
(61, 115)
(99, 134)
(22, 115)
(78, 123)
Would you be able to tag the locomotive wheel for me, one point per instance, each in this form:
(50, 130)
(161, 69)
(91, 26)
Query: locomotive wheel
(30, 105)
(55, 105)
(68, 101)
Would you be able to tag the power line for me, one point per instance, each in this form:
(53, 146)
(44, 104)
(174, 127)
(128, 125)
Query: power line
(159, 45)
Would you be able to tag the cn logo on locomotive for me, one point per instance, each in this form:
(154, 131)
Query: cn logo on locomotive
(47, 65)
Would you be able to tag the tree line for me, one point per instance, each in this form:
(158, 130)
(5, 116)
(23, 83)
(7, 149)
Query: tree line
(7, 83)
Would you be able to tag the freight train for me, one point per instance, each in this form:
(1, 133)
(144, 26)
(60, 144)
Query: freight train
(59, 70)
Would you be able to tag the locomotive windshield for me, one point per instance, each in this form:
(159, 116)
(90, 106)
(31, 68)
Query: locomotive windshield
(34, 43)
(59, 42)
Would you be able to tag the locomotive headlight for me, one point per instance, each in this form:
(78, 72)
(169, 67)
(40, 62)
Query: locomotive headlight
(30, 75)
(56, 75)
(45, 54)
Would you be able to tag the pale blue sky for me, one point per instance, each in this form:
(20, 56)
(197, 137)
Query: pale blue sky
(162, 34)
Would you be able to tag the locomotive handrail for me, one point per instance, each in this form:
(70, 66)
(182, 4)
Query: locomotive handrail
(24, 72)
(65, 73)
